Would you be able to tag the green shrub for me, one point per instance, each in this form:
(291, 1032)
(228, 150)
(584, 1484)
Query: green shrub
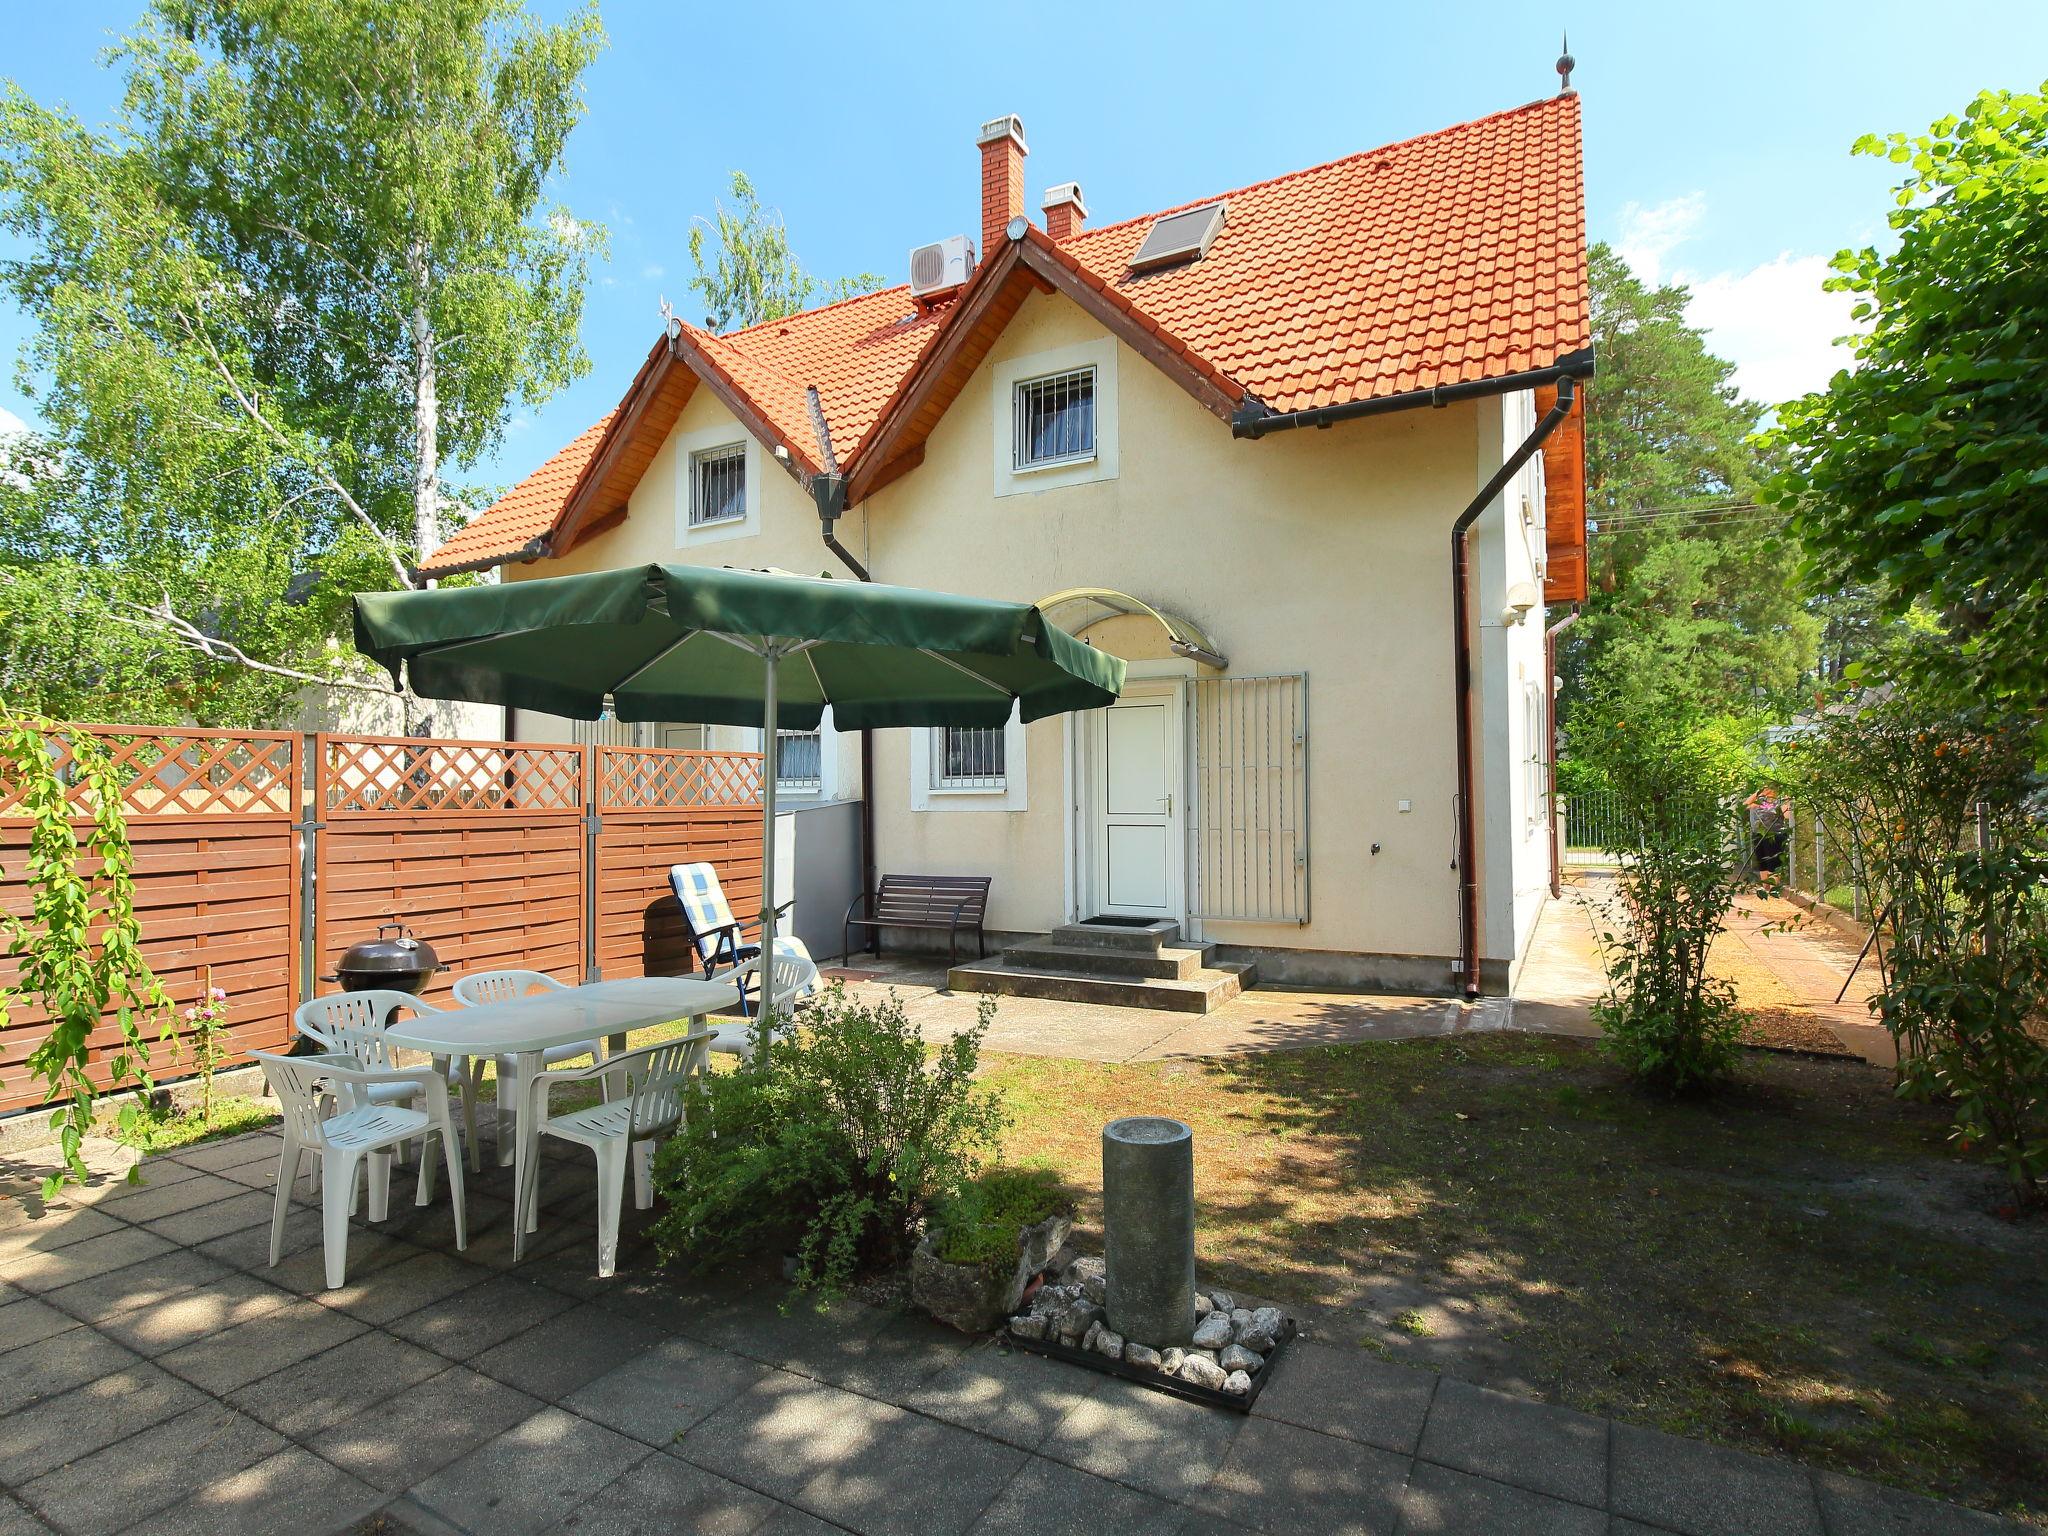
(1677, 780)
(835, 1144)
(979, 1223)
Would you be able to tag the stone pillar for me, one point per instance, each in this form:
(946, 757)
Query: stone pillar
(1148, 1219)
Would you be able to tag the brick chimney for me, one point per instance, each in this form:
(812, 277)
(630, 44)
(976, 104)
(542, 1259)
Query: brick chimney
(1002, 179)
(1064, 211)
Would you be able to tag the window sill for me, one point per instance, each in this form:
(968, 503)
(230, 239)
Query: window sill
(953, 792)
(1041, 465)
(718, 522)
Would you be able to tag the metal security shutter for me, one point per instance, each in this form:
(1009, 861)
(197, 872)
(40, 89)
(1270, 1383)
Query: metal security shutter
(1248, 837)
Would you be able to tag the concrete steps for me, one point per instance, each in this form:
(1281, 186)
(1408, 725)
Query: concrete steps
(1119, 964)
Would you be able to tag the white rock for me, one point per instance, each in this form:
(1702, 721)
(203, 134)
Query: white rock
(1108, 1343)
(1238, 1358)
(1261, 1330)
(1213, 1331)
(1203, 1306)
(1239, 1316)
(1237, 1384)
(1095, 1331)
(1170, 1361)
(1142, 1354)
(1204, 1372)
(1029, 1326)
(1222, 1300)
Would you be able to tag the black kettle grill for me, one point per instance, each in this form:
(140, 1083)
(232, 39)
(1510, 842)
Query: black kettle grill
(398, 963)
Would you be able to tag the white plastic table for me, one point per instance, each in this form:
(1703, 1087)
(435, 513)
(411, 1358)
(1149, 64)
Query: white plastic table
(526, 1026)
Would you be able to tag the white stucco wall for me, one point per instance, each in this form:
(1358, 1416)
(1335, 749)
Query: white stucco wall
(1316, 551)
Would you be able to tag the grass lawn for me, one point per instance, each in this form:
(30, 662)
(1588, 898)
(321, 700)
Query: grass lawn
(167, 1130)
(1797, 1265)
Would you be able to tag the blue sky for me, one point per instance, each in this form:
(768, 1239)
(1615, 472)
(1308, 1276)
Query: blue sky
(1716, 152)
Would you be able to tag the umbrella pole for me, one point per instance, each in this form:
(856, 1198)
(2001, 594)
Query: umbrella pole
(771, 743)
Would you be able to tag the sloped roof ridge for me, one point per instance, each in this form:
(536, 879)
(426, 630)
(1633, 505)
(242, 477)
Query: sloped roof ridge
(806, 314)
(1312, 170)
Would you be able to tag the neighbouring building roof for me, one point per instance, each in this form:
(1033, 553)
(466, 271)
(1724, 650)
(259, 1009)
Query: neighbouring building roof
(1453, 258)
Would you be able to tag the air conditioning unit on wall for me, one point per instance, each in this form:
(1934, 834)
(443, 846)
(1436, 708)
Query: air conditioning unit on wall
(940, 267)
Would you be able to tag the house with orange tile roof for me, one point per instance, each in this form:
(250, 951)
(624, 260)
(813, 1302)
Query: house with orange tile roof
(1307, 454)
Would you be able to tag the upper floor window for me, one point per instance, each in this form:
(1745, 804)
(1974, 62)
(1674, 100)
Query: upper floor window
(1055, 419)
(718, 485)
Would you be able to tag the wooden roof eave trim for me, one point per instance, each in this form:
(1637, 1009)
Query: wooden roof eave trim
(645, 389)
(800, 464)
(879, 459)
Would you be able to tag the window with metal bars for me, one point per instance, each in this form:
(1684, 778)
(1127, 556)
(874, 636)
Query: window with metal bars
(799, 762)
(1055, 420)
(718, 485)
(968, 757)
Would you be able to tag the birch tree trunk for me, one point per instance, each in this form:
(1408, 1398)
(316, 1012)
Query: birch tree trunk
(426, 416)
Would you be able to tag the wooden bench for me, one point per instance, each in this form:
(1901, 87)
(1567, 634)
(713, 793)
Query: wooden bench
(951, 902)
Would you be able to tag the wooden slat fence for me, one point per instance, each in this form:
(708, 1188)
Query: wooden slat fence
(211, 820)
(498, 853)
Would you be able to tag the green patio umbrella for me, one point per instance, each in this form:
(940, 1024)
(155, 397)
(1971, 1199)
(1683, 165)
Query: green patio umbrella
(736, 647)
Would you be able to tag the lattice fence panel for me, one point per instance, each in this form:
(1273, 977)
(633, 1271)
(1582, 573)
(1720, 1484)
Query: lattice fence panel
(184, 773)
(381, 775)
(661, 778)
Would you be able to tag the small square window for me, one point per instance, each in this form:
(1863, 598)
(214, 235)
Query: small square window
(969, 757)
(799, 762)
(718, 485)
(1055, 420)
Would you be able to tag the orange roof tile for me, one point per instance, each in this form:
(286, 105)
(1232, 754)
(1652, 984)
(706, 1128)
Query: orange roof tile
(1456, 257)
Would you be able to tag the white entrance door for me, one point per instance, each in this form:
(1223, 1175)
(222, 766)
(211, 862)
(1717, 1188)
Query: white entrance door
(1137, 794)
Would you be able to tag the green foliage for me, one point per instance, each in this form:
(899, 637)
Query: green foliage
(306, 270)
(1921, 476)
(1938, 806)
(79, 949)
(836, 1143)
(1686, 584)
(752, 275)
(1678, 780)
(979, 1223)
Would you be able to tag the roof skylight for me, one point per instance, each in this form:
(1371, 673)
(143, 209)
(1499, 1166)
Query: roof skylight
(1183, 236)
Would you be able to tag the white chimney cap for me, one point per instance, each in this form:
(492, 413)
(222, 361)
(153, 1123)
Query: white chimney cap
(1065, 192)
(996, 129)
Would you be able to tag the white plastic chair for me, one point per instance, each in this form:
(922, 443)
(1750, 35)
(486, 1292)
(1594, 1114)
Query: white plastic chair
(353, 1024)
(794, 976)
(502, 987)
(364, 1128)
(648, 1107)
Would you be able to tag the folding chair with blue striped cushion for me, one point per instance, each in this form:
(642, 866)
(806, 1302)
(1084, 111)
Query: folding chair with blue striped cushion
(719, 938)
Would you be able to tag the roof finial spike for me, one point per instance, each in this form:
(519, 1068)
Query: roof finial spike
(1565, 64)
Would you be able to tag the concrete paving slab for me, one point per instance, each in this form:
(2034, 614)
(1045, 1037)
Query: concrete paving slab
(528, 1478)
(203, 1312)
(218, 1219)
(328, 1388)
(418, 1432)
(288, 1494)
(1349, 1394)
(922, 1478)
(57, 1364)
(1048, 1496)
(554, 1358)
(166, 1197)
(1511, 1440)
(126, 1482)
(464, 1325)
(28, 1321)
(15, 1520)
(41, 1269)
(663, 1493)
(412, 1281)
(1280, 1477)
(1440, 1502)
(1849, 1504)
(283, 1337)
(1131, 1434)
(1009, 1395)
(148, 1284)
(1708, 1490)
(658, 1395)
(784, 1430)
(63, 1427)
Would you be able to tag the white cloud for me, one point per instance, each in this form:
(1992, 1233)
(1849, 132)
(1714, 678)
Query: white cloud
(1776, 324)
(567, 228)
(1774, 321)
(1648, 235)
(653, 270)
(10, 423)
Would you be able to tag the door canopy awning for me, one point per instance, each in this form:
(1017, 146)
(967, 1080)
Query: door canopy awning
(1075, 609)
